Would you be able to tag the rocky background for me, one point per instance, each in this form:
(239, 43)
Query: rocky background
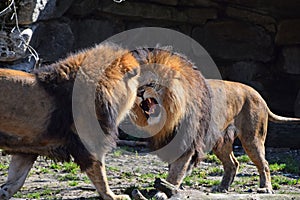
(255, 42)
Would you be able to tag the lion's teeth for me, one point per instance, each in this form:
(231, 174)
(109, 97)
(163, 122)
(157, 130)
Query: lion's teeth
(147, 112)
(149, 100)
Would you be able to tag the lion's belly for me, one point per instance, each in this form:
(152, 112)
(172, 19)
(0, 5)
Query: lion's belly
(25, 107)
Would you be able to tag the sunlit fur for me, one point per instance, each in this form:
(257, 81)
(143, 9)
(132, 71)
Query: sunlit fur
(183, 94)
(240, 111)
(36, 112)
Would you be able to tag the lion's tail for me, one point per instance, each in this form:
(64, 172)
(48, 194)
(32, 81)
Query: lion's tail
(282, 120)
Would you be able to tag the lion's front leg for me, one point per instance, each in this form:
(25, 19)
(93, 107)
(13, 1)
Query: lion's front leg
(97, 174)
(19, 167)
(178, 169)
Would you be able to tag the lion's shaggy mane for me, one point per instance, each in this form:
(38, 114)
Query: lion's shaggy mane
(188, 110)
(99, 65)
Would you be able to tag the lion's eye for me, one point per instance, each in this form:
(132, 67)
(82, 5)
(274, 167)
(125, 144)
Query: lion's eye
(151, 84)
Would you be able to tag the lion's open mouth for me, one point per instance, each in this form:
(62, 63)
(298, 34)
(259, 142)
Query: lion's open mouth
(150, 107)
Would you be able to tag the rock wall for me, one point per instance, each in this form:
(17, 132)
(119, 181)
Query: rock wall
(256, 42)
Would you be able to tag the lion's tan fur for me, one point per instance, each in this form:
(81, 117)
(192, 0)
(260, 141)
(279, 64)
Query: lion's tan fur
(185, 100)
(240, 111)
(178, 80)
(36, 113)
(237, 111)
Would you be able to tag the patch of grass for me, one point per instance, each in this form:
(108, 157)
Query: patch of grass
(3, 166)
(208, 182)
(243, 158)
(275, 186)
(197, 173)
(212, 158)
(282, 180)
(73, 183)
(128, 175)
(215, 171)
(153, 176)
(113, 168)
(200, 177)
(117, 153)
(43, 170)
(44, 193)
(246, 181)
(56, 166)
(138, 170)
(86, 180)
(189, 181)
(277, 167)
(70, 167)
(291, 164)
(68, 177)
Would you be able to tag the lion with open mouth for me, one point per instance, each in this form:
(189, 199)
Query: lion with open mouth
(173, 105)
(173, 99)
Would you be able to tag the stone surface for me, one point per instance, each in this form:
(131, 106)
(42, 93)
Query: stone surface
(152, 11)
(288, 32)
(267, 22)
(166, 2)
(30, 11)
(52, 40)
(204, 3)
(200, 15)
(245, 72)
(235, 41)
(297, 105)
(278, 8)
(83, 7)
(95, 31)
(291, 59)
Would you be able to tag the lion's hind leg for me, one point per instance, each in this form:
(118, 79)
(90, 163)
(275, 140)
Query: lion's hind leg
(256, 151)
(223, 151)
(19, 167)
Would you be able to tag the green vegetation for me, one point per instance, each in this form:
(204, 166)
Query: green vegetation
(117, 153)
(215, 171)
(3, 166)
(212, 158)
(73, 183)
(68, 177)
(285, 164)
(243, 158)
(277, 167)
(113, 168)
(44, 193)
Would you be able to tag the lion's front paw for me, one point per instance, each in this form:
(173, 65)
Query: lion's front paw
(4, 193)
(219, 188)
(265, 191)
(121, 197)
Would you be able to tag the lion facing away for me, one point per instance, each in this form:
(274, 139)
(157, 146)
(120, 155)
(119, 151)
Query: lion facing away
(237, 111)
(240, 111)
(173, 105)
(36, 112)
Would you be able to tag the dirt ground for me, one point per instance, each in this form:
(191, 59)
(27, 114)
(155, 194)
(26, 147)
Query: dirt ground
(127, 170)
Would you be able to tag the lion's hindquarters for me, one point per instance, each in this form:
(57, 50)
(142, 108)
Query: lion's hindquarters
(25, 106)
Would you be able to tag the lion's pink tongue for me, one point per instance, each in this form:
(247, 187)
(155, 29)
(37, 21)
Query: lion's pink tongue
(152, 108)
